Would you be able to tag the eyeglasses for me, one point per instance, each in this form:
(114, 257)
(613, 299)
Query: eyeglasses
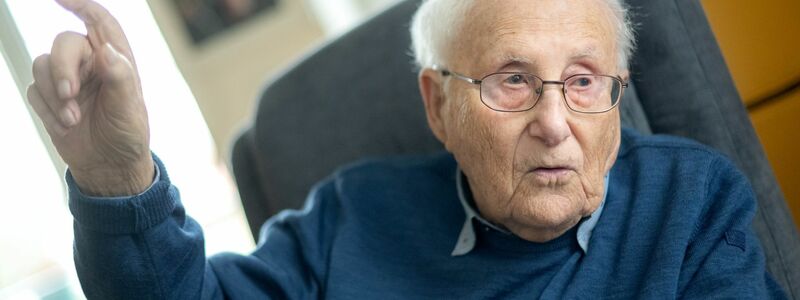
(515, 92)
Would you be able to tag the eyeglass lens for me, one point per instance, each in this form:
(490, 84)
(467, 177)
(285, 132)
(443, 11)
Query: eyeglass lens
(520, 91)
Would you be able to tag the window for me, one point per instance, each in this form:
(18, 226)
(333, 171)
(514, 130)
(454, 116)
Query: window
(35, 224)
(33, 206)
(338, 16)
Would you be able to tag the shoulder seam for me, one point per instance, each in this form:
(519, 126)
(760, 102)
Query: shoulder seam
(667, 145)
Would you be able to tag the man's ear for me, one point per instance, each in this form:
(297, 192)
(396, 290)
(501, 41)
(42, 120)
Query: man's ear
(431, 86)
(626, 75)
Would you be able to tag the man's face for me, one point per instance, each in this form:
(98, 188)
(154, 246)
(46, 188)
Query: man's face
(536, 172)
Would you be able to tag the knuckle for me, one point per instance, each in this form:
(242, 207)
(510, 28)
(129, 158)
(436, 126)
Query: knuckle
(121, 72)
(30, 93)
(36, 102)
(65, 35)
(40, 63)
(32, 99)
(61, 37)
(66, 39)
(38, 96)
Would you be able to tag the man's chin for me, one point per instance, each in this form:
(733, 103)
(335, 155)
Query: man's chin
(547, 216)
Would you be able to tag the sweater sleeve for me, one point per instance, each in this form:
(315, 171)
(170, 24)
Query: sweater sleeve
(724, 258)
(146, 247)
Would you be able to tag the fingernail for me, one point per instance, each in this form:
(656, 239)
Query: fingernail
(64, 89)
(68, 117)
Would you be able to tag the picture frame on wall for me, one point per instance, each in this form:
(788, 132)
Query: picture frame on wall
(205, 19)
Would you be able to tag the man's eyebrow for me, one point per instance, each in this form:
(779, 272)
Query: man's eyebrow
(507, 61)
(588, 52)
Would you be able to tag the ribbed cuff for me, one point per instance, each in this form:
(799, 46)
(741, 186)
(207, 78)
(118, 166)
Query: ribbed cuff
(124, 215)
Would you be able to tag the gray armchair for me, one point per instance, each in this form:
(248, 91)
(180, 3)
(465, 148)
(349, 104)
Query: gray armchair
(357, 96)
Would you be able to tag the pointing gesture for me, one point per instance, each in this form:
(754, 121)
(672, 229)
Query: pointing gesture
(88, 94)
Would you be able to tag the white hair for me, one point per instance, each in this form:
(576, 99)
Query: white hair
(436, 22)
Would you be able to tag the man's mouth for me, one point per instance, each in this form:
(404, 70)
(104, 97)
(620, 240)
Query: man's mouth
(552, 173)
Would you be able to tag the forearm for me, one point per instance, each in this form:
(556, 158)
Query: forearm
(146, 247)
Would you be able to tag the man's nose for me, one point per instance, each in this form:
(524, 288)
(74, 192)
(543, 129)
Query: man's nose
(549, 123)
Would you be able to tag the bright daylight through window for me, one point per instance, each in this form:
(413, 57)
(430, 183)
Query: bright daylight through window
(35, 224)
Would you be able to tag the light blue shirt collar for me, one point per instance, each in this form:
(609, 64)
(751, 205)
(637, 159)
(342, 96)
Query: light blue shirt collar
(466, 239)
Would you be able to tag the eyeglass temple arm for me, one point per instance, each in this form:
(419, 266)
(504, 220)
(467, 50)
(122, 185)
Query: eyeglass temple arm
(446, 72)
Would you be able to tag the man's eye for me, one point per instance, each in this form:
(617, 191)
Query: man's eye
(583, 82)
(516, 79)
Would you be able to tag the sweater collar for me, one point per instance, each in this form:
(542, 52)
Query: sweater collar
(467, 237)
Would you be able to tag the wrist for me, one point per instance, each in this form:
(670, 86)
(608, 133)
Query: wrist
(116, 181)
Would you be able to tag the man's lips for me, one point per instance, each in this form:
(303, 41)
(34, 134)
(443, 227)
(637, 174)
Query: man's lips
(552, 172)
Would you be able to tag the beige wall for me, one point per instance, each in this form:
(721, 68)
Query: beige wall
(226, 72)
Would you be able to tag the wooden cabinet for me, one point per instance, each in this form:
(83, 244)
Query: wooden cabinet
(761, 44)
(777, 126)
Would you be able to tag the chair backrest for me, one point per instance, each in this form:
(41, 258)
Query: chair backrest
(357, 96)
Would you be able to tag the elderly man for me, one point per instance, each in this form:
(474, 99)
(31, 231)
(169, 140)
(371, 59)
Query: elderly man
(541, 194)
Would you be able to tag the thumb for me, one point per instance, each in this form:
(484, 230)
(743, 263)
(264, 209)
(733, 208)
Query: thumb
(116, 70)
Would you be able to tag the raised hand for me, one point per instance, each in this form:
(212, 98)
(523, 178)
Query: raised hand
(88, 94)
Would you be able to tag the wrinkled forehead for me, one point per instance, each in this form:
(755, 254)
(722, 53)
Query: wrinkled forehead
(534, 31)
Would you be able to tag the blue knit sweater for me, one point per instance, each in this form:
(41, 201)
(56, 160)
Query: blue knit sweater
(676, 224)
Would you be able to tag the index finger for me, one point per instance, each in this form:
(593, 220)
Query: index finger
(101, 26)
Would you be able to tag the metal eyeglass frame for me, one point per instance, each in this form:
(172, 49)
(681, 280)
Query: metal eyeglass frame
(623, 86)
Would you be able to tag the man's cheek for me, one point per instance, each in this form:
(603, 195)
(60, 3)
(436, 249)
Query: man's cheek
(607, 150)
(599, 149)
(477, 136)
